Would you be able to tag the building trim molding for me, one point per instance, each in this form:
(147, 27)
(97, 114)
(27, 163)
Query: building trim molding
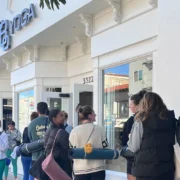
(153, 3)
(7, 62)
(18, 59)
(87, 20)
(116, 6)
(82, 42)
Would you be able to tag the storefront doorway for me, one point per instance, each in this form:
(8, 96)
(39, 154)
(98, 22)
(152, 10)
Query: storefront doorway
(83, 95)
(62, 101)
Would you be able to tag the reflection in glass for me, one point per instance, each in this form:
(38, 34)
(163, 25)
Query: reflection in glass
(54, 103)
(26, 107)
(119, 82)
(7, 112)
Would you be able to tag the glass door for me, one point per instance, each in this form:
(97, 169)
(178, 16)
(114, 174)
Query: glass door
(54, 101)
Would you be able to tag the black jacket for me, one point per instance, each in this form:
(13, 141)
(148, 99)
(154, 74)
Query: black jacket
(126, 130)
(25, 140)
(156, 154)
(61, 148)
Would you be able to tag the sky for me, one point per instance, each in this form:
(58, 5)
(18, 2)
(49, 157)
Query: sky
(122, 69)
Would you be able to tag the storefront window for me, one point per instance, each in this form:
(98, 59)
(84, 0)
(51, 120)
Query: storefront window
(7, 112)
(119, 83)
(26, 107)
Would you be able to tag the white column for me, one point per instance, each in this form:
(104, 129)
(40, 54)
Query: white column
(98, 92)
(75, 103)
(1, 111)
(15, 102)
(38, 89)
(167, 66)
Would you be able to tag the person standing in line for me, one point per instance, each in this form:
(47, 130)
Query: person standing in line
(14, 140)
(4, 145)
(67, 127)
(37, 128)
(133, 105)
(26, 159)
(94, 135)
(152, 138)
(61, 147)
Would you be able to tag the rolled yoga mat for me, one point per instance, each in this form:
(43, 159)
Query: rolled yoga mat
(78, 153)
(32, 147)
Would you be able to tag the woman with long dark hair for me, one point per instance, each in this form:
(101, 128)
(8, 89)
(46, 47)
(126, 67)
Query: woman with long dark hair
(152, 139)
(61, 147)
(133, 105)
(88, 134)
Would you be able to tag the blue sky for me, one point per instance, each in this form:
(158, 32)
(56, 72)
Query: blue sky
(25, 94)
(123, 70)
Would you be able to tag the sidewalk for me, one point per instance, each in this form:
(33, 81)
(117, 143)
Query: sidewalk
(11, 177)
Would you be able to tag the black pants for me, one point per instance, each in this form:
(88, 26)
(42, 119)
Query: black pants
(165, 176)
(92, 176)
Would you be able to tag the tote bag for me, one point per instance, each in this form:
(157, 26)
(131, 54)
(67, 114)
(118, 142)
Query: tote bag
(51, 168)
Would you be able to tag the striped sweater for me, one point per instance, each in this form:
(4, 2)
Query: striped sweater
(79, 137)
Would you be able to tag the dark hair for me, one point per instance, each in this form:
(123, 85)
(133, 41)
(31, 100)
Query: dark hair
(11, 123)
(65, 114)
(34, 115)
(84, 112)
(53, 113)
(77, 108)
(42, 108)
(136, 98)
(151, 104)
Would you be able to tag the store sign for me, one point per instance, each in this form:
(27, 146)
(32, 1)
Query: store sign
(88, 80)
(8, 28)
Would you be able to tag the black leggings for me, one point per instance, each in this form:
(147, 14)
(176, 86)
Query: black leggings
(92, 176)
(165, 176)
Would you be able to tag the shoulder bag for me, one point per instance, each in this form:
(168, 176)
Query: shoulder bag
(51, 168)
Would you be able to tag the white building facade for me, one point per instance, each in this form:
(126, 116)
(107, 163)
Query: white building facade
(64, 57)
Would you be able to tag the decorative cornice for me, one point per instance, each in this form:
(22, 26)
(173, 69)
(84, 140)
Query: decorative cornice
(87, 20)
(63, 52)
(153, 3)
(149, 63)
(36, 52)
(9, 6)
(7, 63)
(18, 58)
(29, 51)
(82, 42)
(116, 7)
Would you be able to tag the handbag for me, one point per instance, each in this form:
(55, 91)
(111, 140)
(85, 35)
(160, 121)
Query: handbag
(51, 168)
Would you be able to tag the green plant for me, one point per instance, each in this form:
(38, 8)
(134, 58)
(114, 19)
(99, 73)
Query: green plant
(51, 3)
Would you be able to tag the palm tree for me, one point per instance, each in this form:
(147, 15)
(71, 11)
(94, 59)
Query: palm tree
(51, 3)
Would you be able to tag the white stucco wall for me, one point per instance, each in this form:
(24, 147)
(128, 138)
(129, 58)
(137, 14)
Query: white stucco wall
(166, 64)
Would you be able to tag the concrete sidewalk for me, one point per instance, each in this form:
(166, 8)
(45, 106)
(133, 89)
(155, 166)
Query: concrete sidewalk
(11, 177)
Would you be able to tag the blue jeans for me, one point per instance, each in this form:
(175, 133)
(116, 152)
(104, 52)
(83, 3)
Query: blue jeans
(26, 162)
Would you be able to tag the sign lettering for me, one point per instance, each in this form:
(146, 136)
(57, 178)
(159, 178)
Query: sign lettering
(88, 80)
(8, 28)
